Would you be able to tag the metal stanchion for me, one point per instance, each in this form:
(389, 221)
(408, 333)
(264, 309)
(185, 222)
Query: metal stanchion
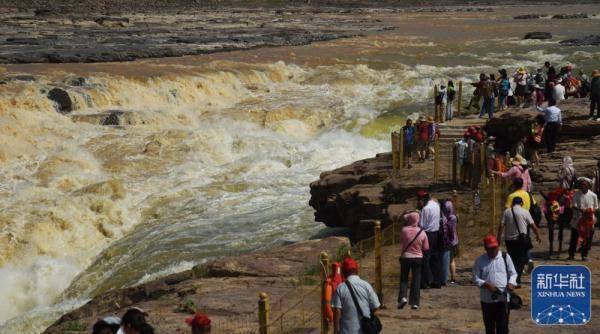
(324, 260)
(378, 273)
(459, 102)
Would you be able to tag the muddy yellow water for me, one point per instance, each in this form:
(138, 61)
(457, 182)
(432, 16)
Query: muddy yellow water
(214, 153)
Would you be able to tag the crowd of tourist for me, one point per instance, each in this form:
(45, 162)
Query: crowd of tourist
(524, 89)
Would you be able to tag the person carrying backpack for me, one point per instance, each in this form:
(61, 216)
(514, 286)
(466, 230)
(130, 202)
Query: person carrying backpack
(451, 93)
(487, 92)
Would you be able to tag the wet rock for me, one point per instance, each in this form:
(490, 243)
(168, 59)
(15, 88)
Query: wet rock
(77, 82)
(112, 118)
(290, 260)
(590, 40)
(113, 22)
(64, 105)
(527, 17)
(538, 35)
(570, 16)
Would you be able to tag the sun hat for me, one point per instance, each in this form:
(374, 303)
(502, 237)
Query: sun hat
(490, 241)
(518, 160)
(422, 118)
(521, 70)
(430, 119)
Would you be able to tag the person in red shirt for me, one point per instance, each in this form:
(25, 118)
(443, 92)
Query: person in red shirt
(422, 138)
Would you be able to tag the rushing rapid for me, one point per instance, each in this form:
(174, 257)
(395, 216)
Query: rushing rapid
(211, 156)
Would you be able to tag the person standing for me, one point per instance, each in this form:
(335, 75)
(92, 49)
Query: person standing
(199, 323)
(422, 138)
(414, 242)
(519, 169)
(441, 101)
(487, 92)
(585, 205)
(504, 85)
(515, 223)
(521, 78)
(409, 142)
(434, 133)
(567, 174)
(450, 94)
(462, 152)
(553, 119)
(519, 191)
(558, 91)
(474, 102)
(495, 275)
(346, 316)
(595, 95)
(535, 141)
(584, 90)
(449, 241)
(429, 221)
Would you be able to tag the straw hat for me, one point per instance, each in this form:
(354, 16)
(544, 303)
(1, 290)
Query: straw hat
(430, 119)
(518, 160)
(521, 70)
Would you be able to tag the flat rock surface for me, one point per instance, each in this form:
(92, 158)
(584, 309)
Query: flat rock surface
(27, 37)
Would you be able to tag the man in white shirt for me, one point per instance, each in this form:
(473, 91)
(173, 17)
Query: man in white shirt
(495, 275)
(431, 275)
(346, 318)
(553, 117)
(558, 92)
(585, 205)
(515, 221)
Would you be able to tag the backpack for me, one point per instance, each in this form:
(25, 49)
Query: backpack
(451, 94)
(487, 89)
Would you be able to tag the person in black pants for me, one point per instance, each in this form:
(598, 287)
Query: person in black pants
(595, 95)
(553, 119)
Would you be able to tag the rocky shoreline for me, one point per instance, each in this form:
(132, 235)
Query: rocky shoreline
(109, 31)
(223, 288)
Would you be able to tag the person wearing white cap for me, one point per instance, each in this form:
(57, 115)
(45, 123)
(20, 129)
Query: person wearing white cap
(585, 205)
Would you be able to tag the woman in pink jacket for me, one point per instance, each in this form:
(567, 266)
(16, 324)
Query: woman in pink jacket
(518, 170)
(414, 242)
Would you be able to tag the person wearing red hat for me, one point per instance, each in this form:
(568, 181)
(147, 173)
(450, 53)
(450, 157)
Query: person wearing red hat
(495, 275)
(352, 300)
(200, 323)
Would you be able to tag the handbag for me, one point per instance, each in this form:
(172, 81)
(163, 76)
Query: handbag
(371, 325)
(515, 301)
(523, 238)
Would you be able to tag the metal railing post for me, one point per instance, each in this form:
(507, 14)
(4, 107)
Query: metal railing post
(263, 313)
(378, 274)
(455, 201)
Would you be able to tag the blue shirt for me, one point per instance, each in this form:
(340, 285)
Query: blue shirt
(342, 299)
(409, 135)
(430, 216)
(493, 270)
(551, 114)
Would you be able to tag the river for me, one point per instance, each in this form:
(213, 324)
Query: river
(215, 153)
